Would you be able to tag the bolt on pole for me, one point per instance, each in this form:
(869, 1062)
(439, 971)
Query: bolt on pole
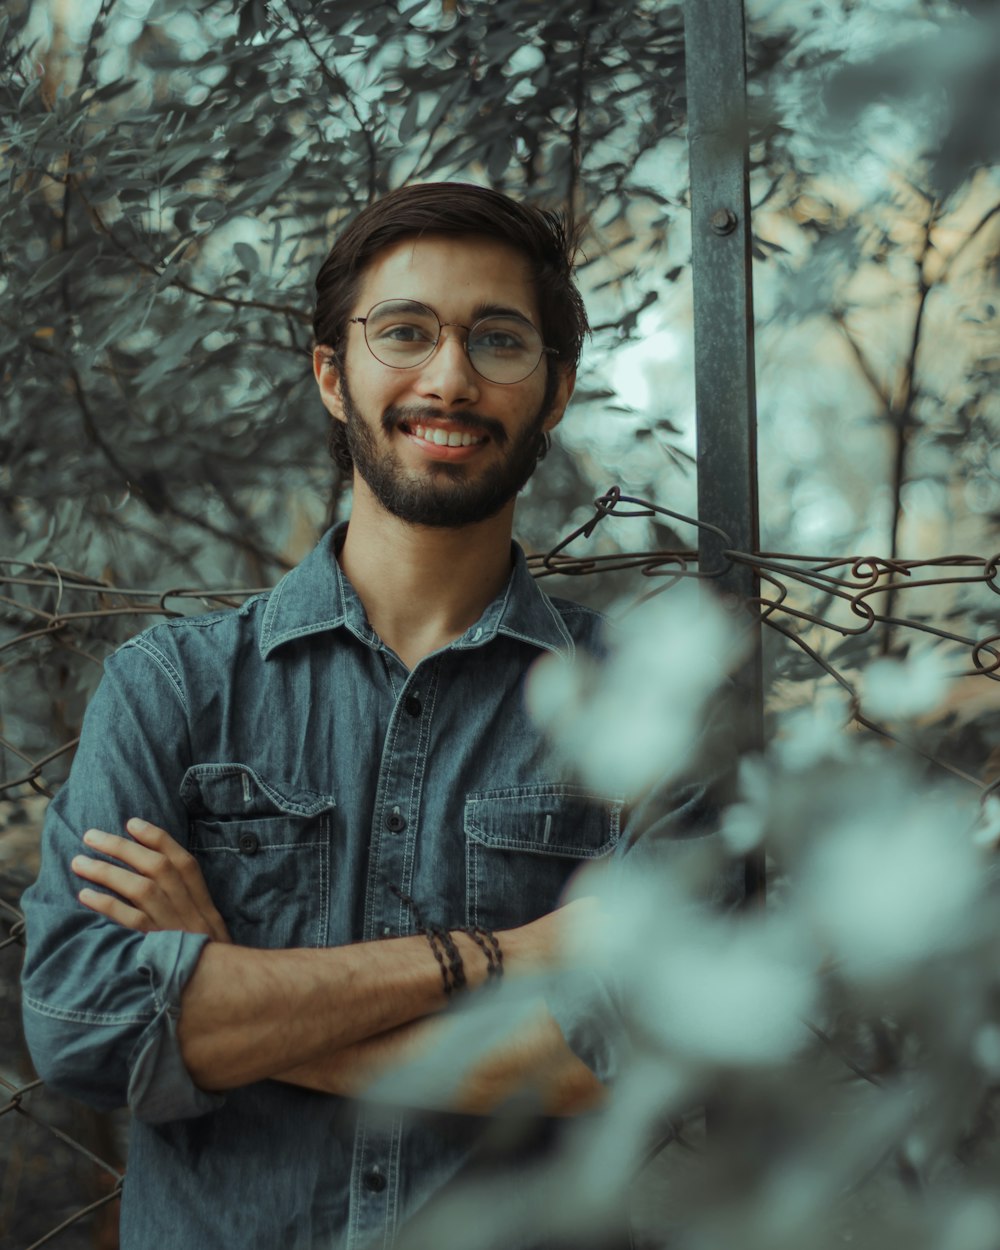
(715, 52)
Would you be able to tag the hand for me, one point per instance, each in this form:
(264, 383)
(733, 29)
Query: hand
(546, 941)
(160, 888)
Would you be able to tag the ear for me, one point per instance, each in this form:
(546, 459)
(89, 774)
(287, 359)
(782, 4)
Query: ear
(327, 377)
(564, 393)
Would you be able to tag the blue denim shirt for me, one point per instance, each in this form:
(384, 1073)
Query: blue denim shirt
(307, 769)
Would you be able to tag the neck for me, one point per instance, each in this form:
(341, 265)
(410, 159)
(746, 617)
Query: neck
(423, 586)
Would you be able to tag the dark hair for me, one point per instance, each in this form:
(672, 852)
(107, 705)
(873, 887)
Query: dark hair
(457, 208)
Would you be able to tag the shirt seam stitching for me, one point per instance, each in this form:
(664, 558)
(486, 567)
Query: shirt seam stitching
(163, 663)
(77, 1016)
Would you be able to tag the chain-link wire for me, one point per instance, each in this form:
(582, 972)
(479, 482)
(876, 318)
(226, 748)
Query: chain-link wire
(48, 1172)
(71, 613)
(850, 584)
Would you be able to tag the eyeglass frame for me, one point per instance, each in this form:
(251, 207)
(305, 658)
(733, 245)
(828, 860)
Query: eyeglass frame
(362, 321)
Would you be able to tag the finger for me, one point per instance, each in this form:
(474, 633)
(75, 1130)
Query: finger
(144, 861)
(173, 883)
(141, 891)
(116, 910)
(164, 908)
(140, 897)
(158, 840)
(154, 837)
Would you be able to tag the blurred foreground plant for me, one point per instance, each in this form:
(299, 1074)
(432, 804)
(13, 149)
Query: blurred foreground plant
(846, 1042)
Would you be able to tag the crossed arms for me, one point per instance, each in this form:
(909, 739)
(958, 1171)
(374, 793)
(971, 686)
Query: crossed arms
(331, 1020)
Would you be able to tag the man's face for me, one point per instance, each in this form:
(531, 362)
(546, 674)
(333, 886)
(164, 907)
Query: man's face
(393, 416)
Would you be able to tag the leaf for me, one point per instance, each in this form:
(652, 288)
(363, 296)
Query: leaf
(99, 190)
(408, 126)
(247, 257)
(48, 271)
(497, 160)
(209, 210)
(112, 89)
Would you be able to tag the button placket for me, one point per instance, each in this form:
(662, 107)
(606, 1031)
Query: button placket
(400, 785)
(374, 1180)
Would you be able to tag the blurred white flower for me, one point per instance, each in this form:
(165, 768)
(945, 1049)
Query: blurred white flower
(623, 906)
(809, 735)
(635, 719)
(731, 994)
(974, 1224)
(893, 887)
(744, 823)
(742, 828)
(987, 828)
(706, 988)
(986, 1048)
(905, 688)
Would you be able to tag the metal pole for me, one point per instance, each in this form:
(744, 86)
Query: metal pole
(715, 52)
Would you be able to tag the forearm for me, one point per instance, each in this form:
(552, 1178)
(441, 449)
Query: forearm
(536, 1060)
(249, 1014)
(246, 1015)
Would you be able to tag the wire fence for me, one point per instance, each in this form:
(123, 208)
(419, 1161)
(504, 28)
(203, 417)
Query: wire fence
(74, 1157)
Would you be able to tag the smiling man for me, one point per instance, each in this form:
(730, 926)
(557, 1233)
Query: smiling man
(303, 826)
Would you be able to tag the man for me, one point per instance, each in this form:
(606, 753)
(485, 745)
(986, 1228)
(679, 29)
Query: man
(312, 773)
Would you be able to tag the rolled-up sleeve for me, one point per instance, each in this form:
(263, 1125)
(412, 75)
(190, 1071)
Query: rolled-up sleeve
(101, 1002)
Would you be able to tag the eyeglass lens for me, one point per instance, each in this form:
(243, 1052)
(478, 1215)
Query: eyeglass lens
(402, 334)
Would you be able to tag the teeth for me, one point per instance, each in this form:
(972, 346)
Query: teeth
(445, 438)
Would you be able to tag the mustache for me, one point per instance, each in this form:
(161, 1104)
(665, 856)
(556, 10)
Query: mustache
(471, 422)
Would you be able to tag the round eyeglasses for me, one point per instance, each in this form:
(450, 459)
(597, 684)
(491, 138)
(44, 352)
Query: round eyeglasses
(503, 348)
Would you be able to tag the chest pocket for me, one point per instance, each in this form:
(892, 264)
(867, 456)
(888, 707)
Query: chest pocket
(523, 843)
(263, 847)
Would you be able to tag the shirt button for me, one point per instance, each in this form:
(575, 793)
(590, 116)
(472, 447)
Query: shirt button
(395, 823)
(375, 1180)
(412, 705)
(249, 843)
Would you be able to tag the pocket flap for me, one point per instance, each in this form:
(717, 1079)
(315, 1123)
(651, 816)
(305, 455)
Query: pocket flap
(548, 820)
(239, 792)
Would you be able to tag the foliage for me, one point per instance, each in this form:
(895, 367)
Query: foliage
(168, 206)
(846, 1039)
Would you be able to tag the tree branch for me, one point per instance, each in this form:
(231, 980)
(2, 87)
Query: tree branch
(162, 503)
(575, 154)
(287, 310)
(340, 86)
(980, 225)
(862, 360)
(901, 413)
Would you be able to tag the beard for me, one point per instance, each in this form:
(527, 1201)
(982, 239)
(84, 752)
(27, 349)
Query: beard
(443, 495)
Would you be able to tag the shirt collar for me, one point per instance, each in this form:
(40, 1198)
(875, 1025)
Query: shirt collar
(316, 596)
(521, 610)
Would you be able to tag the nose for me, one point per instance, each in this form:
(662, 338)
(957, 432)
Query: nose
(447, 375)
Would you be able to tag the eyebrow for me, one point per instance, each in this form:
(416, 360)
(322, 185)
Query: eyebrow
(402, 305)
(499, 310)
(480, 311)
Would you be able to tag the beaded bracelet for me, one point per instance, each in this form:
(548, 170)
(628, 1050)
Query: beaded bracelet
(430, 935)
(458, 981)
(487, 942)
(443, 944)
